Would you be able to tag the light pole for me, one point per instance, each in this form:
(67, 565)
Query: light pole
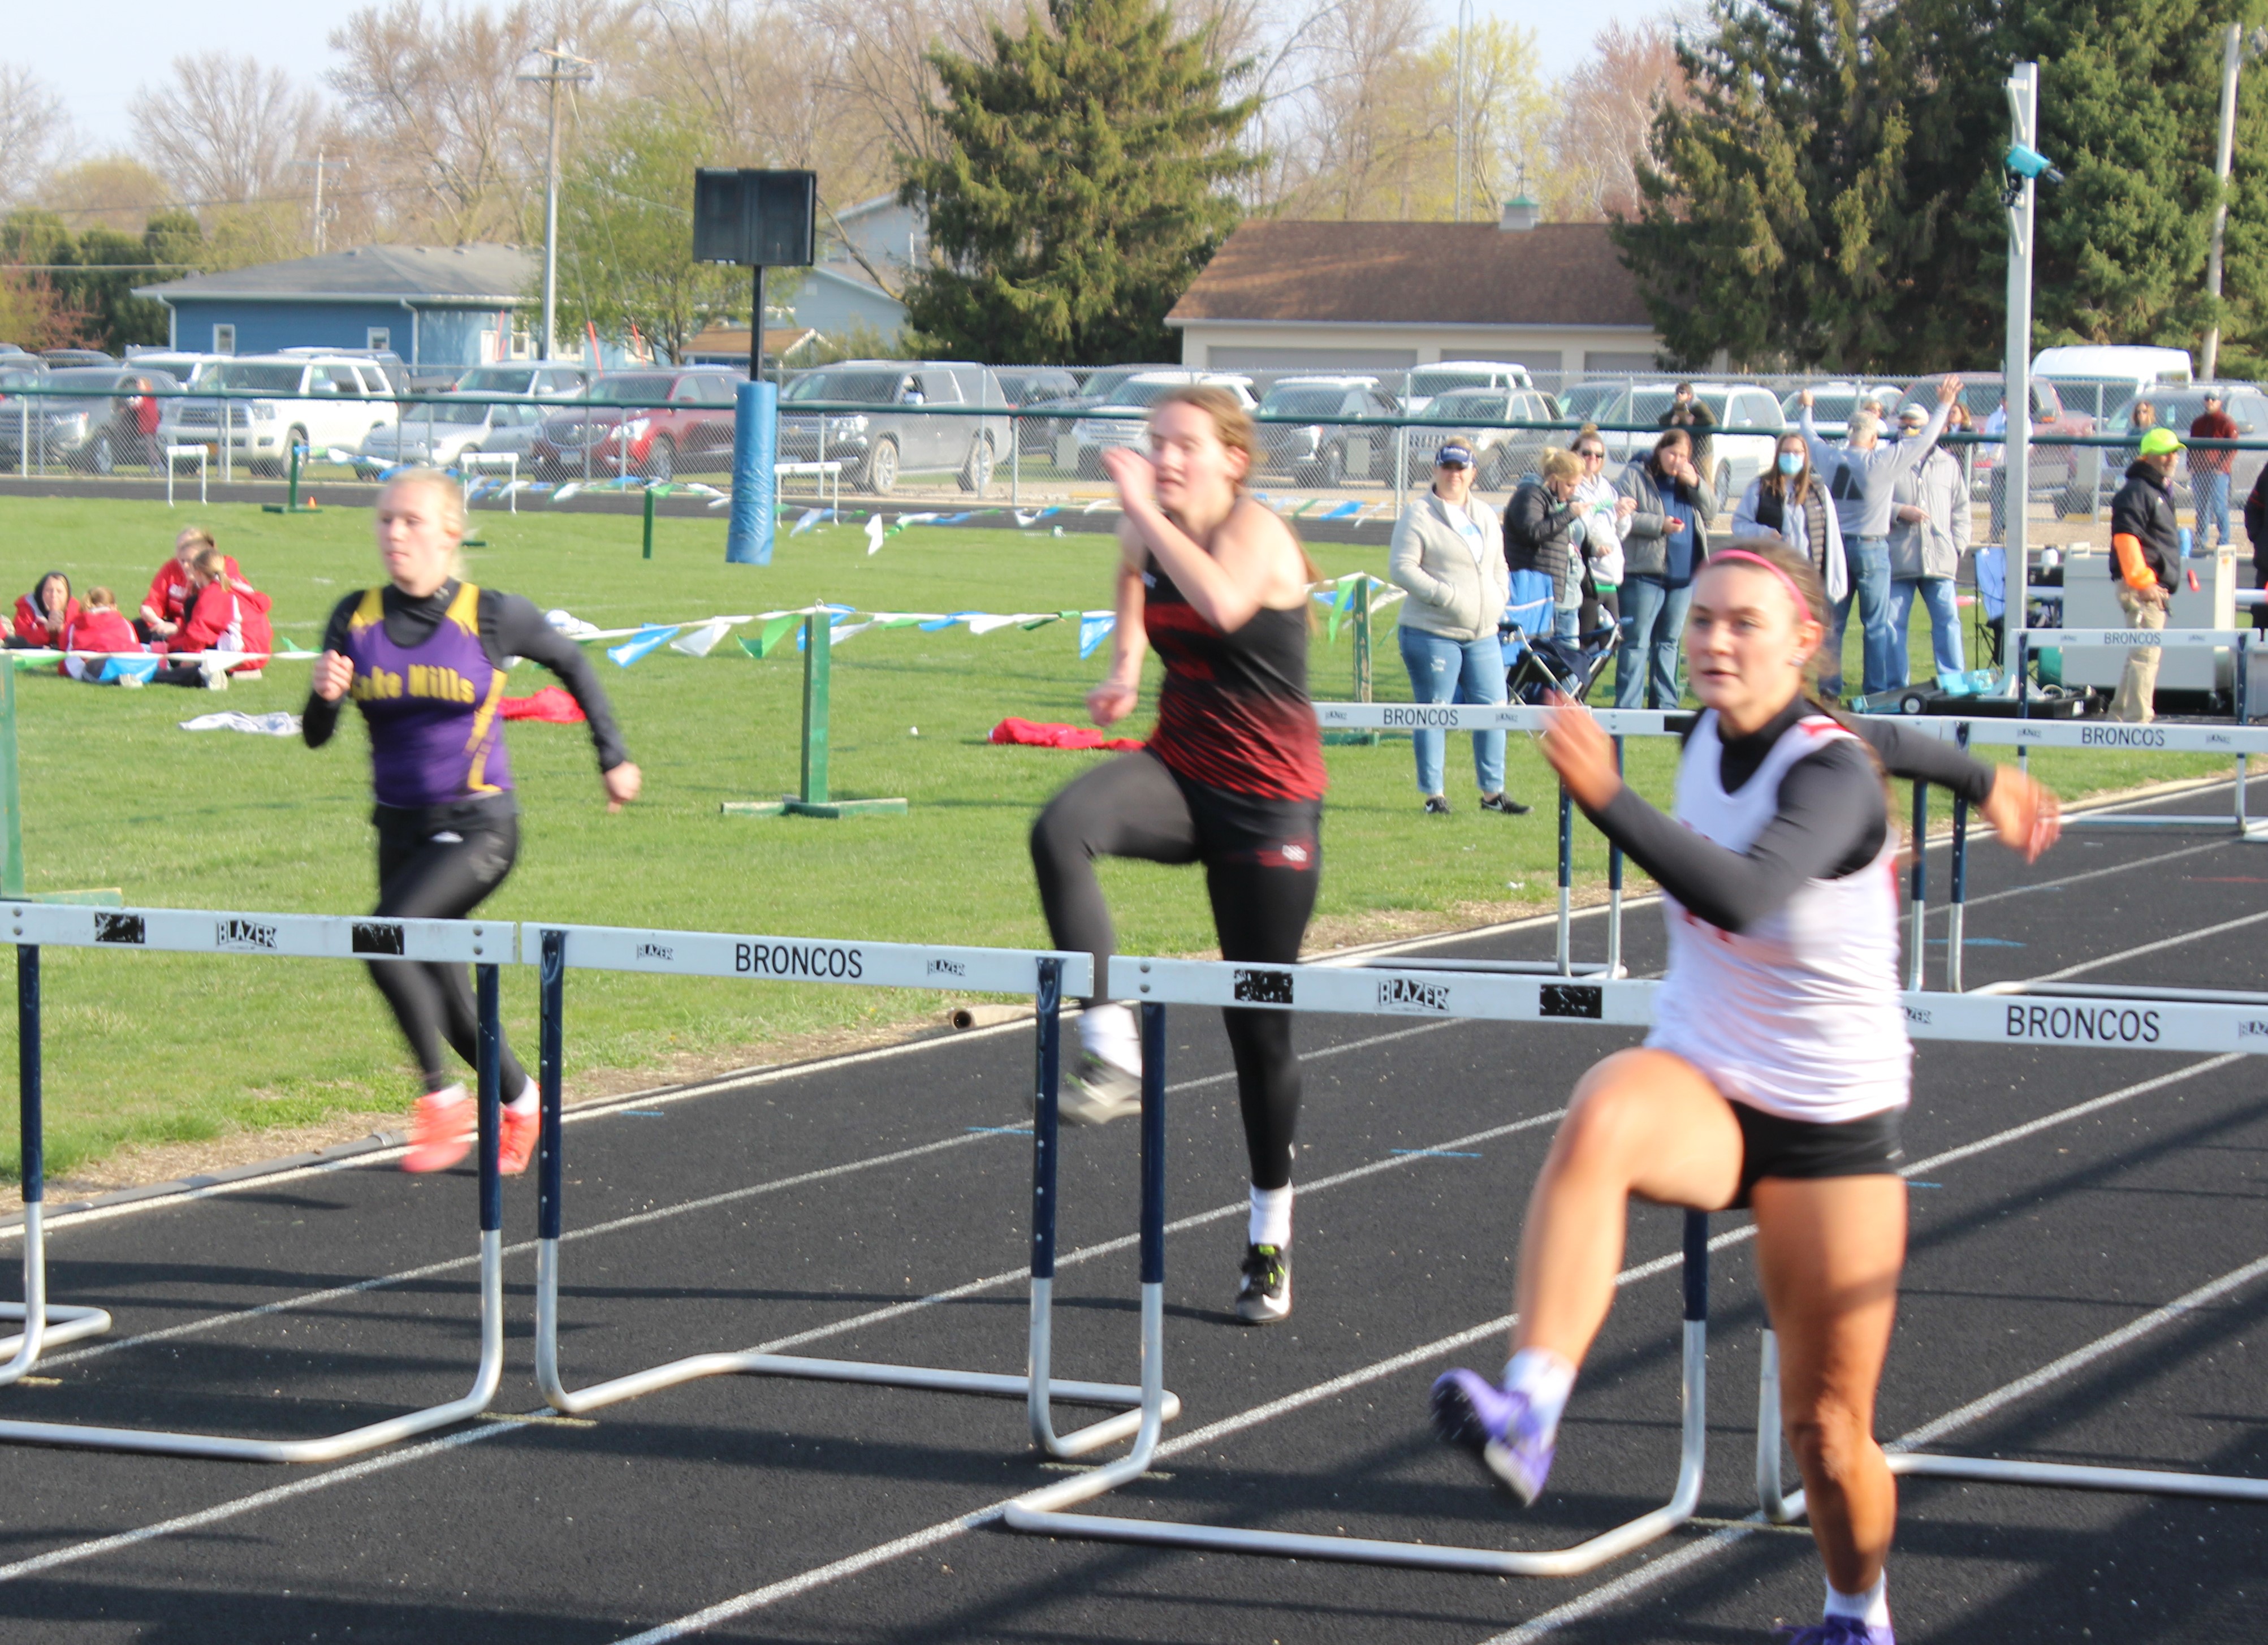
(1464, 30)
(559, 68)
(2233, 51)
(2024, 89)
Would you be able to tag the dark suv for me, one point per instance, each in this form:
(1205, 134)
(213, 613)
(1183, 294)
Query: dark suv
(657, 423)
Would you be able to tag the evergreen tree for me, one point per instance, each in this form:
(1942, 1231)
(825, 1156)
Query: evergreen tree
(1081, 186)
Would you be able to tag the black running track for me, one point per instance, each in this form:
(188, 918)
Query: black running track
(754, 1508)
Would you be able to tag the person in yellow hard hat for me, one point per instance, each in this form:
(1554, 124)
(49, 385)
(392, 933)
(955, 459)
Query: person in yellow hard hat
(2146, 546)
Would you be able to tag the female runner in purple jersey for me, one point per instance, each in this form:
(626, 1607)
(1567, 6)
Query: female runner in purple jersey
(424, 659)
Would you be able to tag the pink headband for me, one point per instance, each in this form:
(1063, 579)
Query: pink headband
(1802, 606)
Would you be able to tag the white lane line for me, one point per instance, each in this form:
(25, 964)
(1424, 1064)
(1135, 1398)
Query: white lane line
(312, 1299)
(790, 1588)
(1660, 1570)
(2150, 948)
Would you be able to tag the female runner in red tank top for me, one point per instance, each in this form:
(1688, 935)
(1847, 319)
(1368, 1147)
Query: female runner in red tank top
(1233, 777)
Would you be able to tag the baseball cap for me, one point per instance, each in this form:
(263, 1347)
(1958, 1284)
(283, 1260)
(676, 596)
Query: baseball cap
(1913, 415)
(1454, 456)
(2158, 441)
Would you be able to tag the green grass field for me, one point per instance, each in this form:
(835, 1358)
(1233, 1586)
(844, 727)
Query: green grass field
(159, 1048)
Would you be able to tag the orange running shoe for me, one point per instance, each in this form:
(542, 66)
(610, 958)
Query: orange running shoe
(517, 1143)
(442, 1127)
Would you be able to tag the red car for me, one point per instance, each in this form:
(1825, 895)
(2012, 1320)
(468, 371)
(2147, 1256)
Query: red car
(657, 423)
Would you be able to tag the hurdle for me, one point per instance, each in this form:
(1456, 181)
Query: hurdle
(1045, 976)
(1402, 991)
(2073, 1014)
(484, 945)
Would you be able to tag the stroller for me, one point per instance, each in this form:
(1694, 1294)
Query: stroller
(1537, 662)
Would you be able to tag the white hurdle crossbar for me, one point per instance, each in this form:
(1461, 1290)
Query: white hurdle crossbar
(1496, 996)
(1044, 976)
(483, 944)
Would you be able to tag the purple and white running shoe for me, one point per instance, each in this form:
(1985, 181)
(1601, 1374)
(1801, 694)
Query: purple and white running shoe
(1838, 1631)
(1471, 1411)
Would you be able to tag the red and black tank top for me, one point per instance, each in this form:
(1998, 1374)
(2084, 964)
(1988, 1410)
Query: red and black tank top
(1234, 713)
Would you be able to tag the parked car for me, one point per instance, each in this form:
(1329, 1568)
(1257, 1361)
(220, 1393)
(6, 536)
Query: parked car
(275, 401)
(179, 364)
(1047, 389)
(1091, 435)
(391, 366)
(60, 357)
(1319, 453)
(825, 416)
(1744, 443)
(544, 381)
(1832, 404)
(2061, 471)
(445, 431)
(2177, 408)
(1502, 456)
(656, 423)
(2098, 376)
(1447, 376)
(86, 417)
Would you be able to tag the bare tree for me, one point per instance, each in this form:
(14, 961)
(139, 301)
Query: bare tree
(36, 133)
(226, 131)
(1605, 115)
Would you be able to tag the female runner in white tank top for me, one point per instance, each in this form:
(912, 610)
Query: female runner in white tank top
(1777, 1067)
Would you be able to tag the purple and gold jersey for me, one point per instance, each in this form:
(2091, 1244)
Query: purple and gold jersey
(435, 735)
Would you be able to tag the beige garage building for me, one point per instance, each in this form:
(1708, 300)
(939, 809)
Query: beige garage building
(1330, 297)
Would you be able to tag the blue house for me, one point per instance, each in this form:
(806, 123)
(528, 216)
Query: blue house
(431, 305)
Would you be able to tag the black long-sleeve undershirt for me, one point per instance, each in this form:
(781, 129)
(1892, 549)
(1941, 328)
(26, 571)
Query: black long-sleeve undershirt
(510, 626)
(1831, 819)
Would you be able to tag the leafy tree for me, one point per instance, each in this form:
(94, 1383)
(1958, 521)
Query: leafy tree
(1830, 197)
(626, 234)
(1080, 184)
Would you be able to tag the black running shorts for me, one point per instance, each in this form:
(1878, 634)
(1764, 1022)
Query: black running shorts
(1804, 1150)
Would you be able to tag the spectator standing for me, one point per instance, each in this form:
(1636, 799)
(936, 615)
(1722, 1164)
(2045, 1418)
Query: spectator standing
(1543, 531)
(1860, 477)
(1605, 522)
(2209, 470)
(2140, 421)
(145, 408)
(1688, 411)
(2145, 547)
(1667, 544)
(1448, 557)
(2256, 527)
(1790, 502)
(1929, 532)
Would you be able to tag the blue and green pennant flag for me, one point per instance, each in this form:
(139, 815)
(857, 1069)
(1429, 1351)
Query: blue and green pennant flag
(1094, 627)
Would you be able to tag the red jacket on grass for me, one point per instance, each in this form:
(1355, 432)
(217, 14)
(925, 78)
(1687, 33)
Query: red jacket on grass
(97, 631)
(224, 620)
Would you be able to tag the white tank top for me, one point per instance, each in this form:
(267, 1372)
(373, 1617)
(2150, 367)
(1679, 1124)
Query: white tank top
(1799, 1016)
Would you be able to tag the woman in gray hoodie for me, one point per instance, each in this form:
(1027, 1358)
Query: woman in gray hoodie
(1448, 556)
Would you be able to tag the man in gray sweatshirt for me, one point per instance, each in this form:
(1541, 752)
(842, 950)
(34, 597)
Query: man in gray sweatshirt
(1862, 476)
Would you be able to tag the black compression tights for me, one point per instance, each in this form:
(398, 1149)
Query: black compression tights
(427, 877)
(1134, 807)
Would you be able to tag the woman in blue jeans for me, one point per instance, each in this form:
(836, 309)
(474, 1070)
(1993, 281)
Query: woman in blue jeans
(1448, 556)
(1666, 545)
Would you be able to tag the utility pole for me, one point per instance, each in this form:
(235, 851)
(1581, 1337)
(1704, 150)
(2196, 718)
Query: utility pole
(2024, 89)
(1464, 29)
(560, 68)
(2233, 54)
(317, 165)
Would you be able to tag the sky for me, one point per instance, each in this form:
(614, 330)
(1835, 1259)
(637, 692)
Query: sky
(141, 38)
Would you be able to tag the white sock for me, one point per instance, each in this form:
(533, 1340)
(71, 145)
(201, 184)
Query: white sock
(1546, 1378)
(447, 1097)
(1871, 1607)
(1108, 1032)
(1272, 1216)
(523, 1103)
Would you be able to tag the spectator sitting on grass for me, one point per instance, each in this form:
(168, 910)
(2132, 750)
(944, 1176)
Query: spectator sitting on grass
(97, 631)
(42, 615)
(220, 619)
(166, 607)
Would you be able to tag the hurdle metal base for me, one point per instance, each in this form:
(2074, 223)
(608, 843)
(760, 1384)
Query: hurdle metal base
(46, 1324)
(331, 1448)
(833, 810)
(1040, 1511)
(1783, 1506)
(932, 1379)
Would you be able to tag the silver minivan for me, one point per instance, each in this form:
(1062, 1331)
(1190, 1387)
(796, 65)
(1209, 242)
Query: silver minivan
(880, 419)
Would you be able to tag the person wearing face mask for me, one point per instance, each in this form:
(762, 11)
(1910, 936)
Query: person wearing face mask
(1788, 501)
(1448, 556)
(1667, 544)
(1605, 522)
